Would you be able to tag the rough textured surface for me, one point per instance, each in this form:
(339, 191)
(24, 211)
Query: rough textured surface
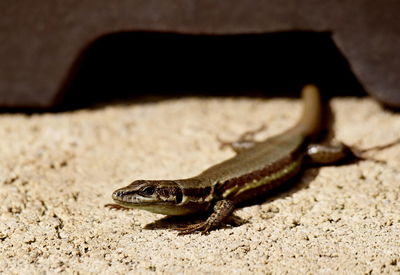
(58, 170)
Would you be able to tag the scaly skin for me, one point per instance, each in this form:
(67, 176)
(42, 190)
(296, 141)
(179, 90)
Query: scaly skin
(252, 172)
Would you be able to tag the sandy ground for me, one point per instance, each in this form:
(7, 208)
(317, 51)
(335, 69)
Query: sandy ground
(58, 170)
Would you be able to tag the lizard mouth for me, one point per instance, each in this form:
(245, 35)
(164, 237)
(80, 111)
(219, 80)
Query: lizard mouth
(132, 199)
(129, 197)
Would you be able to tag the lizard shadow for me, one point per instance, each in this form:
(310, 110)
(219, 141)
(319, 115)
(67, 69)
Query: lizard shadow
(175, 222)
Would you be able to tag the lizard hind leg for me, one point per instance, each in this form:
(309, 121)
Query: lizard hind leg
(327, 154)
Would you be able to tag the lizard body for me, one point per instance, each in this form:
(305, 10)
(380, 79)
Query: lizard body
(252, 172)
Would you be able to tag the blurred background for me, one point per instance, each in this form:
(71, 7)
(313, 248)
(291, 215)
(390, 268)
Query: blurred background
(60, 55)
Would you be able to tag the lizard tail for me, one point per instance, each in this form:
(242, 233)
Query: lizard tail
(310, 122)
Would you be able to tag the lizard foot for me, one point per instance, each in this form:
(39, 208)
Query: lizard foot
(362, 154)
(222, 210)
(245, 141)
(201, 226)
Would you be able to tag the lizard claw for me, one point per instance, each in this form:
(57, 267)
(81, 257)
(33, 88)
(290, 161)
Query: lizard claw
(192, 228)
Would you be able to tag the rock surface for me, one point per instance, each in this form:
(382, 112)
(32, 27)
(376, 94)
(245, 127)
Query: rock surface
(58, 170)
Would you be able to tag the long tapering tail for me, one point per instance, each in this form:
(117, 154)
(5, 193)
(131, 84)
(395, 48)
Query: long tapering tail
(310, 121)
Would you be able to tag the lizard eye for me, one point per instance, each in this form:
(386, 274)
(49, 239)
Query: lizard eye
(147, 191)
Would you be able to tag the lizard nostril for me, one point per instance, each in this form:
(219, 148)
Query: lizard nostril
(121, 194)
(117, 194)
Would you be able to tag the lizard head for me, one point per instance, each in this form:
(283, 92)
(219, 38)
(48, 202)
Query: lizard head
(158, 196)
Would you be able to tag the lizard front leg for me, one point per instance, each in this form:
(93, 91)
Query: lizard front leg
(245, 141)
(222, 210)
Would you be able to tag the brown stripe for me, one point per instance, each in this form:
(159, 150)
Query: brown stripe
(197, 192)
(257, 175)
(262, 189)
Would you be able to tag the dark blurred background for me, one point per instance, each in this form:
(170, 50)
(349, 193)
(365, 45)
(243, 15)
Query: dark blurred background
(71, 54)
(164, 64)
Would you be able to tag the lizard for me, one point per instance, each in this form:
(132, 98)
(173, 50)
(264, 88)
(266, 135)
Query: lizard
(256, 168)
